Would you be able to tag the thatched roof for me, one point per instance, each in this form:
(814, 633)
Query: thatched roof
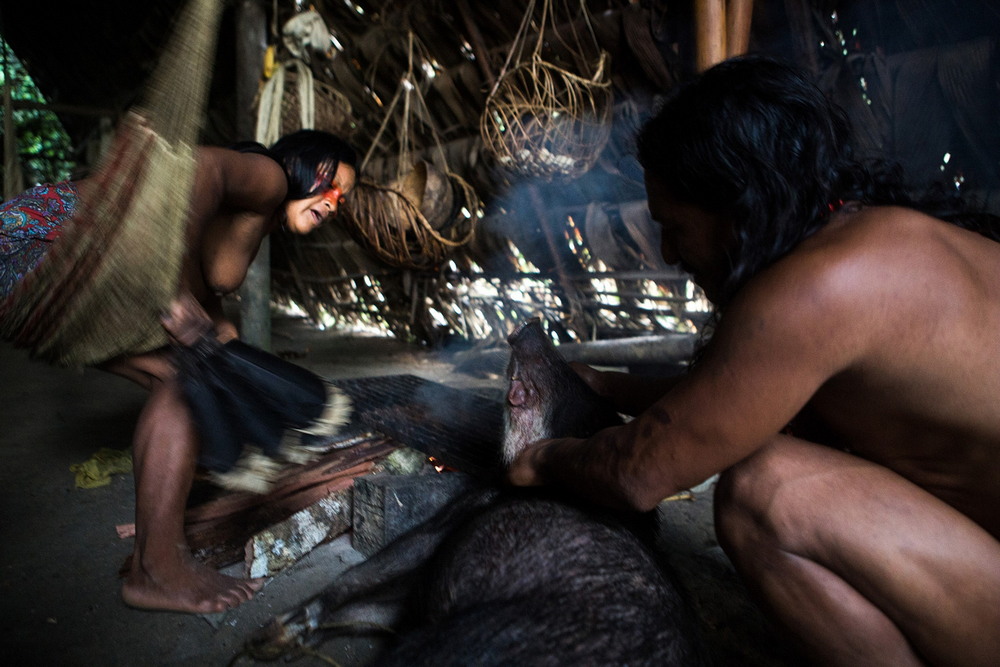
(930, 68)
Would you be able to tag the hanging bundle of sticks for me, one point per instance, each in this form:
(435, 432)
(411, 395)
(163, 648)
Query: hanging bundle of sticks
(100, 289)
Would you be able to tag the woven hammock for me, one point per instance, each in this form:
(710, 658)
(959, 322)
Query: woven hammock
(542, 120)
(99, 291)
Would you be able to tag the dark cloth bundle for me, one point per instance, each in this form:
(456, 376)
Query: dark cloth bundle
(242, 396)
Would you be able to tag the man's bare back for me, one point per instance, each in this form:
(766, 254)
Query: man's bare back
(921, 396)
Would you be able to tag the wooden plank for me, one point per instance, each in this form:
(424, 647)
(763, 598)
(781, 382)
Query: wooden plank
(219, 530)
(386, 506)
(283, 544)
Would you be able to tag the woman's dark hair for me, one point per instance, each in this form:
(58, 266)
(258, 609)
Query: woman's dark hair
(755, 141)
(310, 159)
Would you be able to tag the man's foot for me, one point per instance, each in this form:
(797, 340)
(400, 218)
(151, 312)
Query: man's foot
(190, 587)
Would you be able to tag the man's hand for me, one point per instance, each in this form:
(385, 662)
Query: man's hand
(524, 469)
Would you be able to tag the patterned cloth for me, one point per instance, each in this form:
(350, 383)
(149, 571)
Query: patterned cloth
(29, 223)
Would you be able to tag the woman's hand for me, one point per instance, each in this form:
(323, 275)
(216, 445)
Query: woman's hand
(186, 321)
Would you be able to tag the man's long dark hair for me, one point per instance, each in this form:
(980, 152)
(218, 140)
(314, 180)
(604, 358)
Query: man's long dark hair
(755, 141)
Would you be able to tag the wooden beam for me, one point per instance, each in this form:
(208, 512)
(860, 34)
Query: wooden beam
(476, 39)
(565, 286)
(68, 109)
(739, 14)
(710, 33)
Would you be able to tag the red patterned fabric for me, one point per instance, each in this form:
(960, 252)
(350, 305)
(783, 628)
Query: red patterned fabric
(28, 224)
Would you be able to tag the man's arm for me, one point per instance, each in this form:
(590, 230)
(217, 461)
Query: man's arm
(787, 332)
(630, 394)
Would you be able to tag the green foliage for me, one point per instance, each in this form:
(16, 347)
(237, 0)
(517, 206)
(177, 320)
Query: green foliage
(43, 146)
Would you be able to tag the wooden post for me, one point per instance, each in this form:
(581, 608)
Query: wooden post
(710, 30)
(565, 285)
(803, 32)
(255, 294)
(739, 15)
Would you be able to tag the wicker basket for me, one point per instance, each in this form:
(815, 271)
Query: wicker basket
(392, 220)
(544, 121)
(279, 105)
(332, 108)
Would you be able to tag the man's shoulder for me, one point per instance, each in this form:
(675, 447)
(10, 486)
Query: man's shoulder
(867, 244)
(876, 265)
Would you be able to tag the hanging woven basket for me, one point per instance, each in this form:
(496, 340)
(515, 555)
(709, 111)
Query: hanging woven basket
(332, 108)
(427, 211)
(417, 220)
(545, 121)
(542, 120)
(293, 99)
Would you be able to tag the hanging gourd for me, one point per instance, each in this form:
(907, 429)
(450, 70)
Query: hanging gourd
(425, 211)
(542, 119)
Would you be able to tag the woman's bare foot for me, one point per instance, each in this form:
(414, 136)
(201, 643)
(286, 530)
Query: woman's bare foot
(163, 574)
(188, 586)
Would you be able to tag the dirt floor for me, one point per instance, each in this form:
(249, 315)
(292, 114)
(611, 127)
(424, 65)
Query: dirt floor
(60, 553)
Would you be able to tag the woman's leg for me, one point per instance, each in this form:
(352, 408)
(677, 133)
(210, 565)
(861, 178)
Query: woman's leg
(164, 574)
(861, 565)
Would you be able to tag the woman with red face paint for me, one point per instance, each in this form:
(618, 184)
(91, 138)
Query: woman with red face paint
(240, 195)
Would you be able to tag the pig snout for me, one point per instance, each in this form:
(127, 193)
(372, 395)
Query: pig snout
(518, 393)
(545, 397)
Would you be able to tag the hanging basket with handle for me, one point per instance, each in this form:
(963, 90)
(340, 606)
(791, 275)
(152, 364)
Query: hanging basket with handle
(544, 120)
(423, 214)
(293, 99)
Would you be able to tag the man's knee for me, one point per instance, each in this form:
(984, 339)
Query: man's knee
(746, 506)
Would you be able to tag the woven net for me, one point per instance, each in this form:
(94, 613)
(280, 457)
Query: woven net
(100, 289)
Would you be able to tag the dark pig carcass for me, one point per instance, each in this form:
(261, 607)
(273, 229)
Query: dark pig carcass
(545, 397)
(508, 576)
